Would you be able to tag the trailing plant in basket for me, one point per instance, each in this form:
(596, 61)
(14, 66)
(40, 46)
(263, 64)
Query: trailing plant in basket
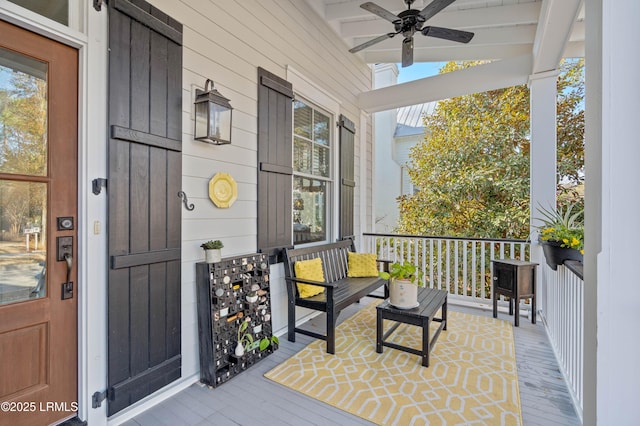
(563, 225)
(403, 271)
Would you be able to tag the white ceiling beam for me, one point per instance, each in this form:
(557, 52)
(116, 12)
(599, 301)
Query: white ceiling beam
(455, 53)
(574, 49)
(492, 76)
(352, 10)
(483, 37)
(517, 14)
(555, 26)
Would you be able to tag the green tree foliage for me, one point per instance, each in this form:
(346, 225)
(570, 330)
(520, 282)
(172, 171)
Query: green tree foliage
(472, 169)
(23, 150)
(23, 125)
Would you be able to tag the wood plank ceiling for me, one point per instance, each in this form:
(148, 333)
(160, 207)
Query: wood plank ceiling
(534, 34)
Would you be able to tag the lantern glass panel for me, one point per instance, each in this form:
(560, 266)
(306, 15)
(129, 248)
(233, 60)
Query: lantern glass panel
(220, 122)
(201, 120)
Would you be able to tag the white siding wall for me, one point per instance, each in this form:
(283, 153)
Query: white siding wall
(226, 41)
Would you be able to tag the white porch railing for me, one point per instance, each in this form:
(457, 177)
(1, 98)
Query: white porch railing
(562, 304)
(462, 266)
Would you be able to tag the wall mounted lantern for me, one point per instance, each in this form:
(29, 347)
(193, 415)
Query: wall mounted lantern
(213, 116)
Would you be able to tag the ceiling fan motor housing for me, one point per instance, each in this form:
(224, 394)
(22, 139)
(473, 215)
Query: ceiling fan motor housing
(410, 21)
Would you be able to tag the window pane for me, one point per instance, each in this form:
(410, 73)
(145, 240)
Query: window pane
(23, 114)
(321, 161)
(302, 155)
(309, 210)
(302, 119)
(320, 128)
(22, 243)
(58, 10)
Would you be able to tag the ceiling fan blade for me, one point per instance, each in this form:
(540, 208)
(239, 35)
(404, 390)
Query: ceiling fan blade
(407, 52)
(434, 7)
(380, 11)
(448, 34)
(371, 42)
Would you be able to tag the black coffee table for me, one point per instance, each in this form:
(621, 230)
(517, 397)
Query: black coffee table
(430, 301)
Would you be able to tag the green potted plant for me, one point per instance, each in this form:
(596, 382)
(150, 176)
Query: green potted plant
(265, 342)
(246, 342)
(212, 250)
(251, 296)
(561, 234)
(245, 339)
(404, 279)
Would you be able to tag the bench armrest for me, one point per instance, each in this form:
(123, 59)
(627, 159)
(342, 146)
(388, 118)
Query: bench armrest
(303, 281)
(385, 264)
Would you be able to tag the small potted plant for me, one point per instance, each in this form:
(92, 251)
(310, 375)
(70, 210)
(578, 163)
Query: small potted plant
(252, 297)
(561, 234)
(403, 285)
(245, 339)
(212, 251)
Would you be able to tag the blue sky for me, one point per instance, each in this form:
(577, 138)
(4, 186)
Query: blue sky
(418, 70)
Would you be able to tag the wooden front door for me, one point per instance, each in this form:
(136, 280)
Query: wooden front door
(38, 225)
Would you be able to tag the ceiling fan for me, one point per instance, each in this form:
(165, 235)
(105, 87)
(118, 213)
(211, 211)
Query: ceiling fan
(410, 21)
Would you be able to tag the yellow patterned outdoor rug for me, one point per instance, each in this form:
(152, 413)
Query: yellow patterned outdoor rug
(472, 378)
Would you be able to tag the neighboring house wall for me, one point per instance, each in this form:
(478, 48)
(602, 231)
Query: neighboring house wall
(387, 169)
(403, 147)
(396, 132)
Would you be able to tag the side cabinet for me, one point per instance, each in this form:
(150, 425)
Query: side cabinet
(223, 305)
(515, 279)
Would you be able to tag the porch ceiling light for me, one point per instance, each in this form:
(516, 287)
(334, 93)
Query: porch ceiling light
(213, 116)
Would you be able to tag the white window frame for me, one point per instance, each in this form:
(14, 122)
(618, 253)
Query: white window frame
(318, 97)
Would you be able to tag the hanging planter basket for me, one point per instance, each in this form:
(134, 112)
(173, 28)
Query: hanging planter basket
(556, 255)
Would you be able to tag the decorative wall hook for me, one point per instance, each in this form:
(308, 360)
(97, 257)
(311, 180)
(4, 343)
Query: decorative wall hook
(185, 201)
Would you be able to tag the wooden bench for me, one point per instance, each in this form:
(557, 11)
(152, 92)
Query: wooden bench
(340, 290)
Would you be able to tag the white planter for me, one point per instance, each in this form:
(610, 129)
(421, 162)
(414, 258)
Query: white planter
(403, 294)
(239, 350)
(213, 255)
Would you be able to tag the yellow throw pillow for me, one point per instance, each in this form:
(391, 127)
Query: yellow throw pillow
(309, 270)
(362, 265)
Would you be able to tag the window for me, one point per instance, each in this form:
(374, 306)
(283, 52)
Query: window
(312, 172)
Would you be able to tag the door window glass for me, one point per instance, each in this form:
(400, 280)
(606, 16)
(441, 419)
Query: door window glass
(22, 240)
(23, 114)
(23, 152)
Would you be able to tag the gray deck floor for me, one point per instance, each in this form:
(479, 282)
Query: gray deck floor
(250, 399)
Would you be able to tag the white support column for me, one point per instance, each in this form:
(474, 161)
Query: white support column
(543, 91)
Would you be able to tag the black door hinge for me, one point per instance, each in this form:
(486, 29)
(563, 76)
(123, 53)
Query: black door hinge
(97, 4)
(97, 185)
(98, 397)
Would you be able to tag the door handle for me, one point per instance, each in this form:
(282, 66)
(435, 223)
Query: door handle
(69, 260)
(67, 286)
